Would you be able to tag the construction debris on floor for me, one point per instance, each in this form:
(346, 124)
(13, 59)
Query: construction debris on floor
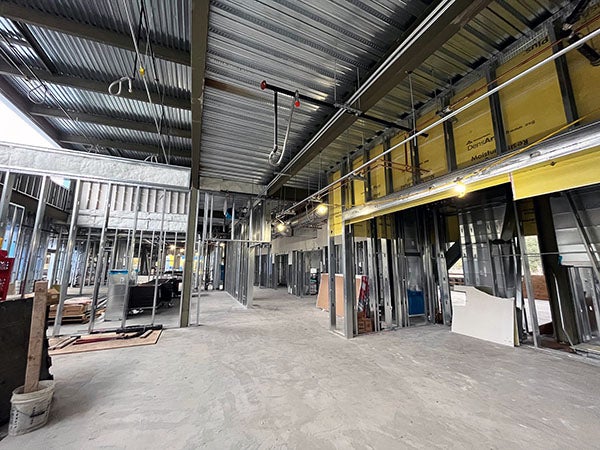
(132, 337)
(77, 310)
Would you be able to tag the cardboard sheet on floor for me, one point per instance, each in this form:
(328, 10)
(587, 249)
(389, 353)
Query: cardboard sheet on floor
(323, 295)
(483, 316)
(152, 338)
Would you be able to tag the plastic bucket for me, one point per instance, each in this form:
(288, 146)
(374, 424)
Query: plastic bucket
(30, 411)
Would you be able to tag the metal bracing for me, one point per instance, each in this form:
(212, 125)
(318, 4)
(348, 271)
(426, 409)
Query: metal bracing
(535, 328)
(34, 243)
(71, 240)
(589, 248)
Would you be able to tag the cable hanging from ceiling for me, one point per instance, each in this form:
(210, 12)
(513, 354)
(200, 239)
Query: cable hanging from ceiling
(140, 66)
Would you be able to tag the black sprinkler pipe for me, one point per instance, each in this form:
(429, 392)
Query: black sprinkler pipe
(386, 123)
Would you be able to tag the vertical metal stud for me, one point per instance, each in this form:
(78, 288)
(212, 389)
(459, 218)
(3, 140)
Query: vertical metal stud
(64, 283)
(36, 234)
(7, 188)
(99, 259)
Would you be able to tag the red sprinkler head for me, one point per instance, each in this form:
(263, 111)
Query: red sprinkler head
(297, 103)
(263, 85)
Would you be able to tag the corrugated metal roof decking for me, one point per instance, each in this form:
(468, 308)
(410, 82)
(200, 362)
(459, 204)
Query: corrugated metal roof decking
(323, 49)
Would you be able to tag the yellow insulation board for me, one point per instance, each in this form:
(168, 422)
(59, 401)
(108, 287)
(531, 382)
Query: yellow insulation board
(532, 106)
(432, 149)
(473, 130)
(377, 173)
(569, 172)
(401, 163)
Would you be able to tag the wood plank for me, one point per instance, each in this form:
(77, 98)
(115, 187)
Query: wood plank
(36, 337)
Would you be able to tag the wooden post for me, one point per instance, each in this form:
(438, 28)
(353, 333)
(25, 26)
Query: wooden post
(36, 337)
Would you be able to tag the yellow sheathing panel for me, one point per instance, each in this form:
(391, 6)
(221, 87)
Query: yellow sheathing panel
(384, 227)
(569, 172)
(361, 229)
(377, 173)
(585, 78)
(401, 163)
(473, 129)
(335, 208)
(471, 187)
(532, 106)
(358, 186)
(432, 149)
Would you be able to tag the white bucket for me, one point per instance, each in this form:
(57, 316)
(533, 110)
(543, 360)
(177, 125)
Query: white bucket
(30, 411)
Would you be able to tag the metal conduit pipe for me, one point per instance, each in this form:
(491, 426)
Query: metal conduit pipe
(450, 116)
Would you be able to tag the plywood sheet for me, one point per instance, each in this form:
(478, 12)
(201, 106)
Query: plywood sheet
(483, 316)
(152, 338)
(323, 295)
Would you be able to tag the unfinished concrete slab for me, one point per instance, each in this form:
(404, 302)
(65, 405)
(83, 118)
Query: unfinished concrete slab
(273, 376)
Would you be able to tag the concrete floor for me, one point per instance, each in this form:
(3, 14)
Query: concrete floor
(273, 377)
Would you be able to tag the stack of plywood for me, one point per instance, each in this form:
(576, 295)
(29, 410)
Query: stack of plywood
(76, 310)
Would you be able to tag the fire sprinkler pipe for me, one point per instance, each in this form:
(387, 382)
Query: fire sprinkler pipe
(279, 90)
(543, 62)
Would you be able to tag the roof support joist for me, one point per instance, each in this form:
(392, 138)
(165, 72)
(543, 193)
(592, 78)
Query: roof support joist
(110, 121)
(93, 86)
(149, 149)
(38, 18)
(35, 17)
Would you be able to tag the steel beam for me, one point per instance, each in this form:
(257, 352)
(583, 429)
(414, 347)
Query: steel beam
(94, 86)
(564, 78)
(110, 121)
(124, 145)
(443, 20)
(349, 283)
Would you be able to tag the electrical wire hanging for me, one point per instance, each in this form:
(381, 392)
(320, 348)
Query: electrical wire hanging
(142, 72)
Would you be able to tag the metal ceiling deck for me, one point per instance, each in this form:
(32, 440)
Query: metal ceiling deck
(323, 49)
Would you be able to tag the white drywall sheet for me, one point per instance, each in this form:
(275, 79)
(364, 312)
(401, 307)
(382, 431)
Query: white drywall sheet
(483, 316)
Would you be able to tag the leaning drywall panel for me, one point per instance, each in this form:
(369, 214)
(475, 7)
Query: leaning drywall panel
(483, 316)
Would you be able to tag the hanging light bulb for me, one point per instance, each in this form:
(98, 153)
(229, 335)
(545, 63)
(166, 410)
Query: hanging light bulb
(281, 227)
(322, 209)
(460, 188)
